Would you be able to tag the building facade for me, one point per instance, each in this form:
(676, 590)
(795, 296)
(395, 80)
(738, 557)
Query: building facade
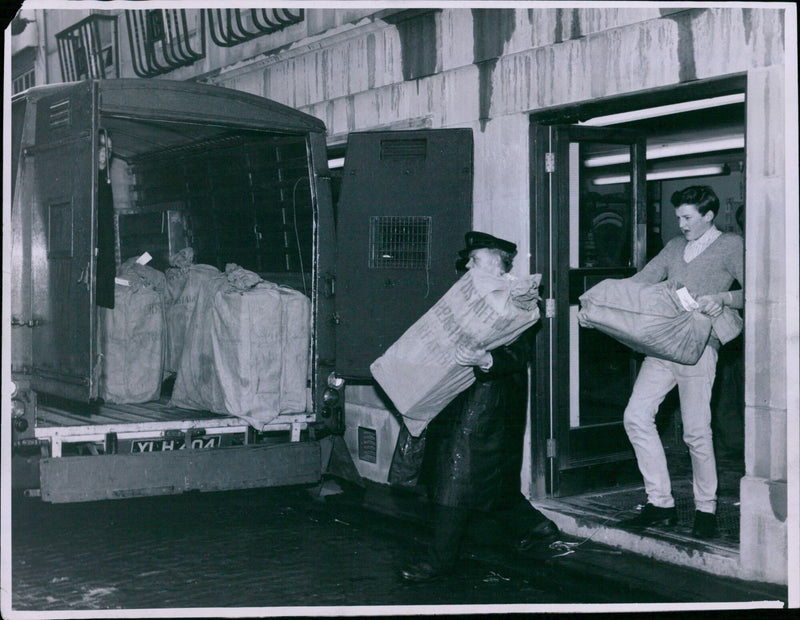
(511, 76)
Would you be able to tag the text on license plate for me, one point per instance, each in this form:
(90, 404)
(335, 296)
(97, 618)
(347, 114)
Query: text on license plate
(164, 445)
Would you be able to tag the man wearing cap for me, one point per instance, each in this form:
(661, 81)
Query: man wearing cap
(475, 444)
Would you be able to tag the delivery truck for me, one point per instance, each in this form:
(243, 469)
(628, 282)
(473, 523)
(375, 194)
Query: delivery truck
(114, 183)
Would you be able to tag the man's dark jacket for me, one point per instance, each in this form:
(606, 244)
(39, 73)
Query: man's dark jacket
(474, 446)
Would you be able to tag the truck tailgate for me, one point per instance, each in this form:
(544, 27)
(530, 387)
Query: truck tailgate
(154, 452)
(119, 476)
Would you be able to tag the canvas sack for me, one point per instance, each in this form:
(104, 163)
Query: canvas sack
(419, 372)
(295, 349)
(247, 351)
(183, 283)
(651, 319)
(196, 383)
(132, 336)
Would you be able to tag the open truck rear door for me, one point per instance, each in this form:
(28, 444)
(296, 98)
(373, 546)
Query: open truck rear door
(63, 221)
(404, 207)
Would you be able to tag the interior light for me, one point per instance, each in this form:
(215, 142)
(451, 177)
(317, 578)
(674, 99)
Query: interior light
(664, 110)
(673, 149)
(661, 175)
(337, 162)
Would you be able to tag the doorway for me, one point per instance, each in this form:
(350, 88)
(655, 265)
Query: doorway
(601, 188)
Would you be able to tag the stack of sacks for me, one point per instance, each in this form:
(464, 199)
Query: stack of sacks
(482, 311)
(132, 336)
(184, 281)
(247, 349)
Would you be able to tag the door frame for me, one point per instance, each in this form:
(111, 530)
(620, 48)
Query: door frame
(541, 462)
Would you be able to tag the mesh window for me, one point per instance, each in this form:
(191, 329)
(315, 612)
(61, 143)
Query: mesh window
(399, 242)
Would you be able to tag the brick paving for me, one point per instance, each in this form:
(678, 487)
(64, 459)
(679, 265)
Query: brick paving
(261, 548)
(279, 548)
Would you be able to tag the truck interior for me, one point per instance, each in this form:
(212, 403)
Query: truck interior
(234, 196)
(236, 184)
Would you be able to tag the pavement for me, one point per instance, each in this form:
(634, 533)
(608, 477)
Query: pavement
(632, 574)
(327, 549)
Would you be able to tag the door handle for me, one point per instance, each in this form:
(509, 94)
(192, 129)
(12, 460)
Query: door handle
(329, 289)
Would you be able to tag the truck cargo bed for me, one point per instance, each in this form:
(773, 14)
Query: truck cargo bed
(68, 423)
(50, 414)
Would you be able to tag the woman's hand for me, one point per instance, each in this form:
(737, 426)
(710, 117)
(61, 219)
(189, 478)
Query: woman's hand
(710, 304)
(466, 356)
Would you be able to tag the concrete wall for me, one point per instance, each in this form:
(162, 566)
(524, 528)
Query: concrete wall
(764, 488)
(498, 65)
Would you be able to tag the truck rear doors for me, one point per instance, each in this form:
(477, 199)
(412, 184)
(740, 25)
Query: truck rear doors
(405, 205)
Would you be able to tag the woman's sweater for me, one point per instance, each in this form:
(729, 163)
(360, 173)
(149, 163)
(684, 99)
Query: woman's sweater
(712, 271)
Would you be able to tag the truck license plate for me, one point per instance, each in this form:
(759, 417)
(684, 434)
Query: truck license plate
(165, 445)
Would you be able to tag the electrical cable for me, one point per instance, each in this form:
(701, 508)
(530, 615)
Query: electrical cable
(427, 280)
(296, 233)
(571, 547)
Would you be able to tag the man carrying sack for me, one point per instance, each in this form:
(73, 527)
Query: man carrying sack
(483, 310)
(706, 262)
(475, 443)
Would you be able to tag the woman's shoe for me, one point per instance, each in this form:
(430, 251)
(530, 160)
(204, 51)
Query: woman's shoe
(652, 515)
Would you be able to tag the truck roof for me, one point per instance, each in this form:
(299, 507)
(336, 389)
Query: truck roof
(144, 115)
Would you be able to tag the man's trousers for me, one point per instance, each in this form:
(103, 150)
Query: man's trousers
(656, 378)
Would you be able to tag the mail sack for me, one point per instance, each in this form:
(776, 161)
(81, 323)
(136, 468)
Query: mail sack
(247, 353)
(132, 336)
(183, 283)
(482, 311)
(648, 318)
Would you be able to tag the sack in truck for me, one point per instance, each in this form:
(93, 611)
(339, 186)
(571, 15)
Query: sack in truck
(132, 336)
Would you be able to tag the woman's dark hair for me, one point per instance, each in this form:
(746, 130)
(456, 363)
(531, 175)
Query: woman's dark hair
(701, 196)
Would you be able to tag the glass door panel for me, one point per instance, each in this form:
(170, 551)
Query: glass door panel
(600, 246)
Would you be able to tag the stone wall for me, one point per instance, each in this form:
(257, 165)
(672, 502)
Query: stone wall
(764, 488)
(496, 66)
